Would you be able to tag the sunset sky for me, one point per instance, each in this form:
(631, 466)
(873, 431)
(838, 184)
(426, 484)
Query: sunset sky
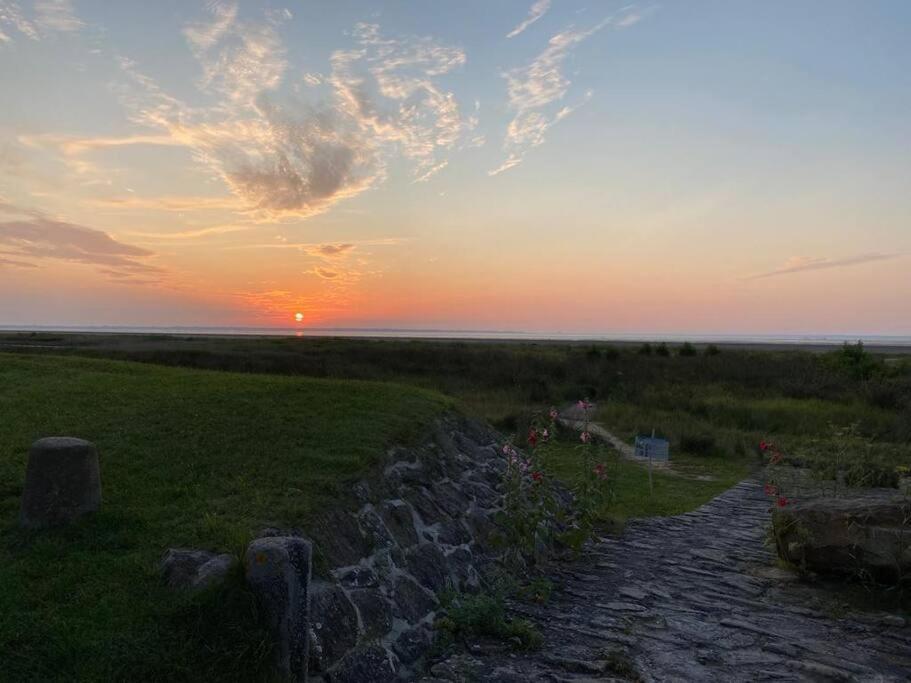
(539, 165)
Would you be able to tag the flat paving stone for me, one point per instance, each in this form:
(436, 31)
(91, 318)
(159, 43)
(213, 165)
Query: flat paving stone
(698, 597)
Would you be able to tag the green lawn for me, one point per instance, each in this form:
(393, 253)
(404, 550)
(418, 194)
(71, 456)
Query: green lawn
(675, 491)
(188, 458)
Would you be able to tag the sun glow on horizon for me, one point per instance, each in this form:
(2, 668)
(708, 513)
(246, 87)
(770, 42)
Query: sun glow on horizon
(388, 165)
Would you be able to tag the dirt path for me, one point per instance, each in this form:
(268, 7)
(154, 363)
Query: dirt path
(575, 418)
(695, 597)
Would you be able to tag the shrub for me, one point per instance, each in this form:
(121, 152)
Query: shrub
(645, 349)
(698, 444)
(662, 350)
(687, 349)
(712, 350)
(484, 615)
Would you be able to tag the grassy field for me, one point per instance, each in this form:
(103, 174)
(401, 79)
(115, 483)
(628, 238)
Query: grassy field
(692, 481)
(188, 458)
(201, 459)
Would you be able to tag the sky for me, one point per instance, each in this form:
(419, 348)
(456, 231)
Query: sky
(536, 165)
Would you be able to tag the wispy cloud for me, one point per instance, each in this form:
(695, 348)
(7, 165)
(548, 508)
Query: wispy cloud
(325, 249)
(179, 204)
(194, 234)
(294, 161)
(325, 273)
(538, 10)
(56, 16)
(71, 145)
(35, 236)
(330, 250)
(799, 264)
(46, 18)
(14, 263)
(536, 91)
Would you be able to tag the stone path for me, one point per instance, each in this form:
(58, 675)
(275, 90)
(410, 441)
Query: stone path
(695, 597)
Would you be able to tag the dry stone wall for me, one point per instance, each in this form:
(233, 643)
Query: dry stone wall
(418, 529)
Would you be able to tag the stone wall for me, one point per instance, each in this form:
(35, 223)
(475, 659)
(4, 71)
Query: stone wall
(412, 530)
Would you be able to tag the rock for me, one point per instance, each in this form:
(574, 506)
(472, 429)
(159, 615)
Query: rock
(422, 501)
(427, 564)
(62, 482)
(411, 644)
(399, 521)
(375, 530)
(483, 494)
(358, 577)
(413, 603)
(450, 499)
(866, 531)
(375, 611)
(187, 568)
(278, 572)
(460, 563)
(453, 533)
(340, 540)
(333, 624)
(215, 570)
(371, 664)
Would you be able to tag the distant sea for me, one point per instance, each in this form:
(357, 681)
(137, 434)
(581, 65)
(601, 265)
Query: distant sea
(504, 335)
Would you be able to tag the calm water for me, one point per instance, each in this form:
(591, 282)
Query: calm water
(807, 339)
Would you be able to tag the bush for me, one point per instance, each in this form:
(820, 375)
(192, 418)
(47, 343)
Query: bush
(645, 349)
(687, 349)
(698, 444)
(712, 350)
(483, 615)
(662, 350)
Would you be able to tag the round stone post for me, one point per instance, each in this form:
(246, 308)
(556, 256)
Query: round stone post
(62, 482)
(278, 572)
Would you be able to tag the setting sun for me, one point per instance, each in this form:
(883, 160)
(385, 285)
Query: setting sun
(299, 317)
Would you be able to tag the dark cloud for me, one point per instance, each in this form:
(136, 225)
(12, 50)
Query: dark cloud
(799, 265)
(331, 250)
(40, 237)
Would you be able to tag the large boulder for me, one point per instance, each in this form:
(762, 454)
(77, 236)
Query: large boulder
(62, 482)
(189, 568)
(866, 532)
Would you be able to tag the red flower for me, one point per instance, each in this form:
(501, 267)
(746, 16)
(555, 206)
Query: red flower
(763, 446)
(771, 490)
(585, 437)
(781, 502)
(537, 476)
(532, 437)
(600, 471)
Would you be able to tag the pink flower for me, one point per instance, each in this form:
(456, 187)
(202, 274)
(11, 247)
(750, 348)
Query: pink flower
(771, 490)
(781, 502)
(554, 413)
(585, 437)
(583, 404)
(776, 458)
